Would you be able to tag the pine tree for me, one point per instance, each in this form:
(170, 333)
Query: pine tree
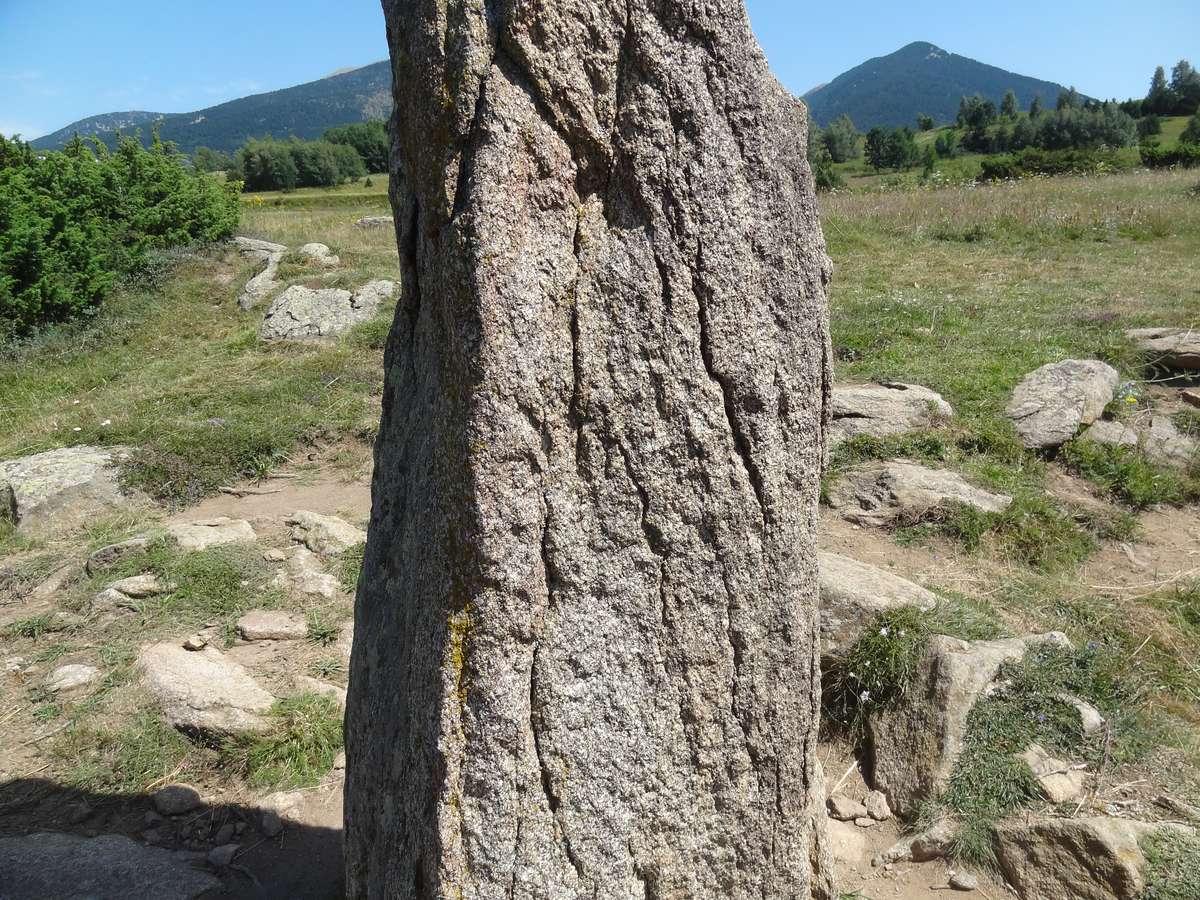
(1035, 108)
(1008, 106)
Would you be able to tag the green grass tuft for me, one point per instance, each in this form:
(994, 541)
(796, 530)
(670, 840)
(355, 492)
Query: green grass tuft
(349, 567)
(300, 749)
(1172, 866)
(130, 759)
(1128, 476)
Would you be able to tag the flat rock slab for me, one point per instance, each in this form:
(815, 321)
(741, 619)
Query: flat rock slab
(1159, 441)
(272, 625)
(1052, 403)
(884, 409)
(72, 677)
(212, 533)
(1171, 348)
(109, 867)
(257, 248)
(265, 282)
(141, 586)
(303, 574)
(324, 534)
(107, 557)
(311, 314)
(63, 490)
(900, 491)
(915, 744)
(1060, 781)
(854, 593)
(203, 691)
(375, 222)
(1094, 858)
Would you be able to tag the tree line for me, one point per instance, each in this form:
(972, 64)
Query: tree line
(73, 221)
(342, 154)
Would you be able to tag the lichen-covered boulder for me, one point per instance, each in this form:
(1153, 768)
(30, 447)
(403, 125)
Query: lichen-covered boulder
(1052, 403)
(312, 314)
(886, 409)
(900, 491)
(60, 491)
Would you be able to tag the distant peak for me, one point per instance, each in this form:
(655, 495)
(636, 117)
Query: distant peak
(923, 48)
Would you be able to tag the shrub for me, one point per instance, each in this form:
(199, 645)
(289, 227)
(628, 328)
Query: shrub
(71, 222)
(369, 139)
(1184, 156)
(1042, 162)
(1149, 126)
(1191, 134)
(271, 165)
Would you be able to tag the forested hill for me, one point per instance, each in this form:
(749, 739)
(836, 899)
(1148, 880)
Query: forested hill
(306, 111)
(920, 78)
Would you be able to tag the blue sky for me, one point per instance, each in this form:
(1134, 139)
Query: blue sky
(61, 61)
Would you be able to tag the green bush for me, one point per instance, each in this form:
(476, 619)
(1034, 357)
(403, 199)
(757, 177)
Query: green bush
(1184, 155)
(369, 139)
(71, 222)
(271, 165)
(1050, 162)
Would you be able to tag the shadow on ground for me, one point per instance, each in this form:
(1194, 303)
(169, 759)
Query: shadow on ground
(119, 848)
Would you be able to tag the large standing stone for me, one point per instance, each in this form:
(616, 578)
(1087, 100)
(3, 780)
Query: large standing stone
(903, 492)
(62, 490)
(915, 744)
(69, 867)
(1052, 403)
(586, 654)
(880, 410)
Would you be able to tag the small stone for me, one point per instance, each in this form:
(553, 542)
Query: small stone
(66, 679)
(151, 818)
(845, 809)
(224, 834)
(1060, 781)
(374, 222)
(221, 857)
(339, 761)
(964, 881)
(141, 586)
(1051, 404)
(195, 642)
(271, 625)
(15, 665)
(270, 823)
(204, 692)
(319, 253)
(877, 806)
(176, 799)
(110, 600)
(275, 555)
(212, 533)
(1191, 398)
(865, 822)
(933, 843)
(107, 557)
(324, 534)
(323, 688)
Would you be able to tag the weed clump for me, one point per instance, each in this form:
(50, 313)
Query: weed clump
(1128, 476)
(299, 750)
(1172, 866)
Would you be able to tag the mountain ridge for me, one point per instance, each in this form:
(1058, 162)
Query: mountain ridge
(304, 110)
(919, 78)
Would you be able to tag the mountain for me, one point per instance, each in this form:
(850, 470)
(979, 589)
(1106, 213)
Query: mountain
(920, 78)
(305, 111)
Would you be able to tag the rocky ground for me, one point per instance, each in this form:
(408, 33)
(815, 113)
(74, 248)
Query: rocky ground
(1010, 612)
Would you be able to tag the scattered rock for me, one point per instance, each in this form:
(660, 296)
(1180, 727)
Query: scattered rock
(884, 409)
(1052, 403)
(203, 691)
(1073, 859)
(305, 314)
(865, 822)
(1090, 718)
(107, 557)
(222, 857)
(265, 282)
(224, 834)
(176, 800)
(339, 762)
(1191, 398)
(896, 491)
(325, 689)
(275, 555)
(66, 679)
(110, 600)
(212, 533)
(933, 843)
(915, 744)
(272, 625)
(195, 642)
(374, 222)
(844, 808)
(319, 253)
(345, 642)
(270, 823)
(327, 535)
(1059, 781)
(69, 867)
(1170, 348)
(141, 586)
(1160, 442)
(854, 593)
(305, 575)
(60, 491)
(964, 881)
(877, 806)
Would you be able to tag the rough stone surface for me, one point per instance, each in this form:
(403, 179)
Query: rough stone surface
(1073, 859)
(303, 574)
(1159, 441)
(884, 409)
(320, 254)
(1053, 402)
(272, 625)
(915, 744)
(375, 222)
(306, 314)
(110, 600)
(69, 867)
(212, 533)
(877, 806)
(73, 677)
(1190, 397)
(845, 809)
(1170, 348)
(324, 688)
(853, 593)
(901, 491)
(60, 491)
(141, 586)
(203, 691)
(1091, 721)
(964, 881)
(587, 639)
(849, 845)
(328, 535)
(1059, 780)
(176, 799)
(265, 282)
(107, 557)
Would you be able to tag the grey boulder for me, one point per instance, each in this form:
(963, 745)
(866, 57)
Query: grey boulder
(324, 534)
(265, 282)
(212, 533)
(1170, 348)
(904, 492)
(272, 625)
(854, 593)
(69, 678)
(62, 490)
(374, 222)
(320, 254)
(1159, 441)
(109, 867)
(204, 692)
(310, 314)
(884, 409)
(1052, 403)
